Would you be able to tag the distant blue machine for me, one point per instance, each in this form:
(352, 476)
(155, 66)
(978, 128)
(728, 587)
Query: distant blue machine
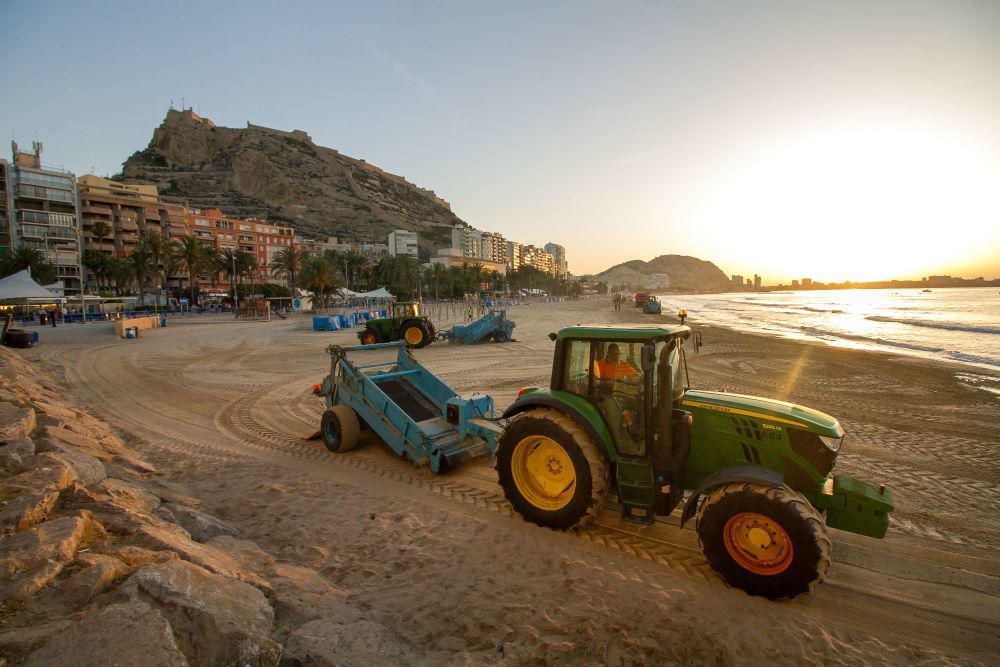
(415, 413)
(494, 325)
(652, 306)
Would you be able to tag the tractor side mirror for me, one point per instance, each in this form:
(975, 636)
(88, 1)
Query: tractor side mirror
(552, 336)
(648, 357)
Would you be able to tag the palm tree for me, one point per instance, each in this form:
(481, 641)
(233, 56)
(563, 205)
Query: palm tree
(32, 259)
(246, 264)
(99, 231)
(121, 271)
(287, 262)
(189, 254)
(141, 264)
(319, 278)
(438, 274)
(152, 244)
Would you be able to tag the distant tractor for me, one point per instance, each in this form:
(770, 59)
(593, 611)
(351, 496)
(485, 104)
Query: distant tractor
(406, 324)
(652, 306)
(617, 414)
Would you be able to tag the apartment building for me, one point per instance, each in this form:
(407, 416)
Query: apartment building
(403, 242)
(538, 258)
(559, 256)
(4, 219)
(259, 238)
(493, 247)
(42, 213)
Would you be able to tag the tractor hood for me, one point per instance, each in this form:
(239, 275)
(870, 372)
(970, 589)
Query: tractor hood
(767, 409)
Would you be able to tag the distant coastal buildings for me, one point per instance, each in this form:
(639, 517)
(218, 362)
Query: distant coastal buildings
(473, 246)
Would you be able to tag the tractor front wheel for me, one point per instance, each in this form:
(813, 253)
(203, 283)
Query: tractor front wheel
(551, 471)
(340, 429)
(415, 334)
(768, 541)
(370, 337)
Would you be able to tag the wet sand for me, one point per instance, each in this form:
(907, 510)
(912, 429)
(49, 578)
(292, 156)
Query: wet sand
(221, 408)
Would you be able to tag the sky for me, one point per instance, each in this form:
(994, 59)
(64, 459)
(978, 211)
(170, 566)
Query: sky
(837, 141)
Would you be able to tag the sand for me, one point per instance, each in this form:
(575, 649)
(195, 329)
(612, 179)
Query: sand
(221, 407)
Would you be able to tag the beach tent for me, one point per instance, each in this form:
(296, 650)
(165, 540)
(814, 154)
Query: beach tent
(380, 293)
(20, 287)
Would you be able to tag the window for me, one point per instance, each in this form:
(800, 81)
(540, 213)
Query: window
(201, 222)
(246, 228)
(576, 370)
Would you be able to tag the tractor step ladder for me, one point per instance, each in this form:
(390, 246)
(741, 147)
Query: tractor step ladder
(636, 488)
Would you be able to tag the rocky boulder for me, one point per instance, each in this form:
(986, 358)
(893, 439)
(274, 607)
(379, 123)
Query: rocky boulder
(202, 527)
(216, 620)
(329, 642)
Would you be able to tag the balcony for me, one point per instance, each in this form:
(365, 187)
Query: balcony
(98, 210)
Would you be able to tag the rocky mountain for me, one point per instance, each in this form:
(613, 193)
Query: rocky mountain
(285, 177)
(678, 273)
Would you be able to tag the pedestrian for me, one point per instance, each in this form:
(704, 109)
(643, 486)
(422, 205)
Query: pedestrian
(469, 313)
(52, 317)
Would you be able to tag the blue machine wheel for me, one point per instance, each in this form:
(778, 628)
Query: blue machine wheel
(340, 429)
(500, 337)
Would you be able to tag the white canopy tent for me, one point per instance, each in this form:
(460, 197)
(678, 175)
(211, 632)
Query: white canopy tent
(21, 288)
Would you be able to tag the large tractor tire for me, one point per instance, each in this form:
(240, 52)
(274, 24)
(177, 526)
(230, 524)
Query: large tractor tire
(340, 429)
(551, 471)
(768, 541)
(415, 334)
(370, 337)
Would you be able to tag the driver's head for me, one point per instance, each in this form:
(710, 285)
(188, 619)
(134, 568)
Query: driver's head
(613, 354)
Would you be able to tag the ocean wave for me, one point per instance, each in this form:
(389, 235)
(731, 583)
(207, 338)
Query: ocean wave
(821, 310)
(974, 359)
(870, 339)
(930, 324)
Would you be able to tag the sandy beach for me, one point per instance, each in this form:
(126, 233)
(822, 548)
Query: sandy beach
(221, 408)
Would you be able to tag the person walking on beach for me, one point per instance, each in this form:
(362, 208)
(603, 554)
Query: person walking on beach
(469, 313)
(52, 317)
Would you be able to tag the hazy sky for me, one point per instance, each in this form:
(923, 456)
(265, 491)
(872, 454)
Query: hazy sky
(836, 140)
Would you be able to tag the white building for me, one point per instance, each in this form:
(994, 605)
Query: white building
(559, 255)
(403, 242)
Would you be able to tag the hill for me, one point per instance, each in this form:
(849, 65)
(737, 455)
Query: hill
(285, 177)
(678, 273)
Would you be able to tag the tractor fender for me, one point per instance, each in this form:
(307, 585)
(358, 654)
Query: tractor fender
(518, 407)
(754, 474)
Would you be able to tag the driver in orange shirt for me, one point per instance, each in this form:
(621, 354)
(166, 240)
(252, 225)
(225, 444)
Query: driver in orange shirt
(613, 368)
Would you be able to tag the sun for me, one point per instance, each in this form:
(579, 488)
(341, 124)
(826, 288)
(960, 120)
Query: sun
(859, 204)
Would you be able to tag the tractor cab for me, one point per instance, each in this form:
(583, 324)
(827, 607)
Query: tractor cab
(633, 377)
(404, 309)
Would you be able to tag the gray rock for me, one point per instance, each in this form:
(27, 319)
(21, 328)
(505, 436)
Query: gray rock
(129, 495)
(202, 527)
(216, 620)
(131, 634)
(88, 470)
(25, 510)
(42, 473)
(168, 536)
(31, 559)
(13, 452)
(328, 642)
(98, 571)
(16, 422)
(21, 641)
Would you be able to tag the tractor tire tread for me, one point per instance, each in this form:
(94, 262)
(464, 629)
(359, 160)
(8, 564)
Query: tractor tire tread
(813, 529)
(596, 461)
(348, 425)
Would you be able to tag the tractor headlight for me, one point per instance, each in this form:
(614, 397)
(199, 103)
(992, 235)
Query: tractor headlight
(833, 444)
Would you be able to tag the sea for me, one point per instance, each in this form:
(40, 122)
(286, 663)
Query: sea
(959, 325)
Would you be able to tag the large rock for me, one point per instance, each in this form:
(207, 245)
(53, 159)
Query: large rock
(13, 452)
(130, 634)
(26, 510)
(31, 559)
(173, 538)
(135, 557)
(96, 573)
(43, 473)
(16, 421)
(202, 527)
(328, 642)
(87, 469)
(217, 621)
(20, 641)
(64, 439)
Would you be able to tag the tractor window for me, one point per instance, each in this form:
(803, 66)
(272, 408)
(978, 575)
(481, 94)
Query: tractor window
(576, 373)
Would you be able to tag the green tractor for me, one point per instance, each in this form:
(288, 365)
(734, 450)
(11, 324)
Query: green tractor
(618, 414)
(406, 324)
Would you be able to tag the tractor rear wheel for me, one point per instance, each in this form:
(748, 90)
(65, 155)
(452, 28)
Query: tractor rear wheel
(370, 337)
(340, 429)
(415, 334)
(500, 337)
(768, 541)
(551, 471)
